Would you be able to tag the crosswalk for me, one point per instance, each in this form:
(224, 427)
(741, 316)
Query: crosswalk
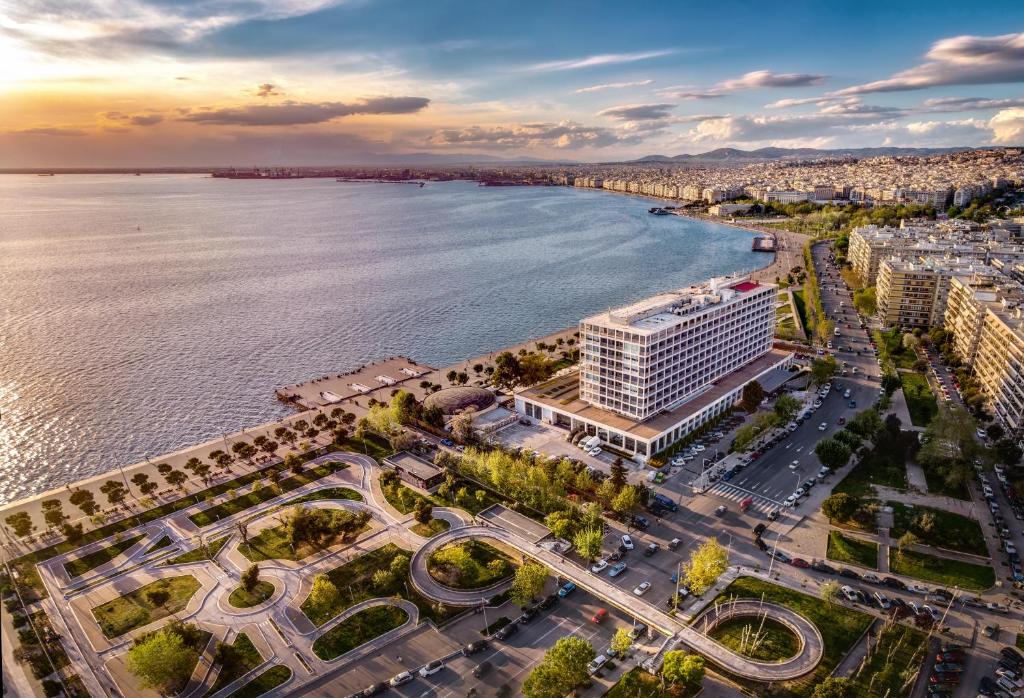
(737, 494)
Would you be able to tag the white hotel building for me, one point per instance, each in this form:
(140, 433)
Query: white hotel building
(654, 371)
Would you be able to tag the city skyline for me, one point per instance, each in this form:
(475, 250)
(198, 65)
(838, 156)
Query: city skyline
(309, 82)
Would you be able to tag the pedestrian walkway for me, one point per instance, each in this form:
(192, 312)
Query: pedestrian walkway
(735, 493)
(958, 506)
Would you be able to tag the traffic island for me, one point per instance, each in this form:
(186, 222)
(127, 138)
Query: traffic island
(358, 629)
(244, 598)
(145, 605)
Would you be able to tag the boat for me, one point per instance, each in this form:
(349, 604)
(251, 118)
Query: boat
(658, 211)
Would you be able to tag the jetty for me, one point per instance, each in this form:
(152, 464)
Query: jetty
(763, 243)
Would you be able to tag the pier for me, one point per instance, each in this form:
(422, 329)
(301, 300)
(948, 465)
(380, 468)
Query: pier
(763, 243)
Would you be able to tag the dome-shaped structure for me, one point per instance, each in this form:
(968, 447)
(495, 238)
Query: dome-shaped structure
(464, 398)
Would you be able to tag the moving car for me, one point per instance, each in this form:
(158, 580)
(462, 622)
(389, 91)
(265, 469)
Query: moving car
(651, 549)
(507, 631)
(601, 614)
(431, 668)
(720, 511)
(482, 669)
(474, 647)
(627, 543)
(401, 679)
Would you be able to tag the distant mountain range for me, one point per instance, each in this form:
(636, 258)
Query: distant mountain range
(721, 156)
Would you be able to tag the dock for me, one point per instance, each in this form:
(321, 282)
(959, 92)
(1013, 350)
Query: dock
(382, 376)
(763, 243)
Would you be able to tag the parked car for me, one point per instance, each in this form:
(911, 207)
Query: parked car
(617, 569)
(642, 588)
(401, 679)
(799, 562)
(528, 614)
(637, 631)
(819, 566)
(375, 689)
(548, 602)
(566, 589)
(894, 583)
(848, 573)
(474, 647)
(595, 666)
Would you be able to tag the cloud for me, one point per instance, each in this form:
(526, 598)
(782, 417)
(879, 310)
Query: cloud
(853, 106)
(613, 86)
(1008, 127)
(747, 128)
(787, 103)
(599, 60)
(765, 78)
(146, 119)
(565, 135)
(49, 131)
(267, 90)
(682, 93)
(958, 60)
(955, 104)
(291, 113)
(638, 112)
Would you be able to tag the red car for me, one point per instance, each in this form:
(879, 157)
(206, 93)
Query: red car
(841, 421)
(601, 614)
(799, 562)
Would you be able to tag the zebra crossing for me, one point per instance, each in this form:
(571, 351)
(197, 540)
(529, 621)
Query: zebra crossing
(737, 494)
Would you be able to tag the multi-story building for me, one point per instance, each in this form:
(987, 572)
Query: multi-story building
(913, 293)
(655, 370)
(869, 245)
(999, 364)
(965, 309)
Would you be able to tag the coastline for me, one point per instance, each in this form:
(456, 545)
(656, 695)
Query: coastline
(32, 503)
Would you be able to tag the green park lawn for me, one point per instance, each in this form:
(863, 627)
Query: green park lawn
(777, 642)
(843, 548)
(329, 493)
(265, 681)
(358, 629)
(476, 570)
(920, 400)
(160, 544)
(952, 531)
(899, 652)
(801, 306)
(240, 598)
(275, 544)
(87, 563)
(944, 571)
(145, 605)
(431, 529)
(354, 581)
(264, 494)
(199, 554)
(245, 658)
(840, 628)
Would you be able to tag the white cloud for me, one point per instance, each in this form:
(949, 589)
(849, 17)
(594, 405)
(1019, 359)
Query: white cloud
(1008, 127)
(638, 112)
(599, 60)
(958, 60)
(956, 104)
(565, 135)
(613, 86)
(765, 78)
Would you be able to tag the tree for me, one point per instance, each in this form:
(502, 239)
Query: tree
(786, 407)
(606, 491)
(834, 687)
(890, 383)
(626, 500)
(115, 491)
(293, 463)
(20, 523)
(462, 427)
(423, 511)
(73, 532)
(563, 668)
(839, 507)
(865, 424)
(84, 500)
(562, 523)
(753, 394)
(995, 431)
(324, 594)
(452, 376)
(404, 407)
(250, 577)
(478, 369)
(143, 483)
(905, 542)
(528, 582)
(705, 566)
(161, 660)
(621, 641)
(587, 543)
(506, 370)
(866, 301)
(822, 370)
(176, 478)
(53, 513)
(617, 474)
(682, 667)
(832, 454)
(830, 591)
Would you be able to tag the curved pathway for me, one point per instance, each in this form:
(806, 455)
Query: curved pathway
(626, 602)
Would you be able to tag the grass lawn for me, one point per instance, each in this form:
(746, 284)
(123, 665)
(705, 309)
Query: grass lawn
(245, 658)
(480, 566)
(952, 531)
(264, 494)
(464, 495)
(152, 602)
(801, 306)
(370, 445)
(86, 563)
(899, 653)
(891, 351)
(162, 543)
(853, 550)
(275, 544)
(840, 629)
(330, 493)
(271, 678)
(884, 465)
(354, 581)
(937, 484)
(777, 641)
(199, 554)
(357, 630)
(240, 598)
(637, 683)
(431, 529)
(920, 400)
(942, 571)
(1020, 641)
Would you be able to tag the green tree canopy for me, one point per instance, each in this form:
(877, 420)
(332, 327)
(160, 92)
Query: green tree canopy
(834, 687)
(563, 668)
(162, 661)
(753, 394)
(839, 506)
(786, 406)
(682, 667)
(587, 543)
(705, 566)
(832, 454)
(528, 582)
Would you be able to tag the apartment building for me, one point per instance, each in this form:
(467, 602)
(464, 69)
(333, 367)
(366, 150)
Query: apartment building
(869, 245)
(655, 370)
(914, 292)
(965, 310)
(999, 364)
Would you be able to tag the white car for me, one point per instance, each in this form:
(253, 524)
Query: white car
(599, 566)
(817, 404)
(980, 433)
(794, 465)
(936, 616)
(627, 543)
(917, 588)
(431, 668)
(699, 447)
(800, 492)
(849, 593)
(401, 679)
(599, 661)
(595, 451)
(823, 426)
(642, 588)
(790, 500)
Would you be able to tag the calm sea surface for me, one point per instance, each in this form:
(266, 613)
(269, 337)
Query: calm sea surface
(142, 314)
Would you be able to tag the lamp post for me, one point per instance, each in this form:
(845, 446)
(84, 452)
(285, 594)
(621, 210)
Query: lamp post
(728, 553)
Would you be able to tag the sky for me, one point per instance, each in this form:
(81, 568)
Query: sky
(148, 83)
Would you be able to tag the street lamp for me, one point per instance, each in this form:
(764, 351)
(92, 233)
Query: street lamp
(728, 553)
